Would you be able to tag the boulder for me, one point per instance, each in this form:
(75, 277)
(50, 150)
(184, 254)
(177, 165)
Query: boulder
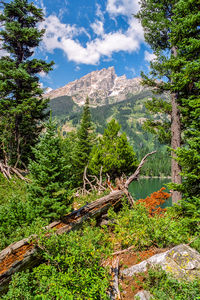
(143, 295)
(182, 262)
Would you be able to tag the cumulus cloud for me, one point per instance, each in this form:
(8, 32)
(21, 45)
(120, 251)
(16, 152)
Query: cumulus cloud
(62, 36)
(98, 27)
(131, 70)
(149, 56)
(66, 37)
(122, 7)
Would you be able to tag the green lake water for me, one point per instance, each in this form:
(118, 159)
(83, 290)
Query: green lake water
(144, 187)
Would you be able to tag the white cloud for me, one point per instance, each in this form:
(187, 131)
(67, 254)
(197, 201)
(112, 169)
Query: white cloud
(99, 12)
(122, 7)
(62, 36)
(97, 27)
(48, 90)
(149, 56)
(42, 74)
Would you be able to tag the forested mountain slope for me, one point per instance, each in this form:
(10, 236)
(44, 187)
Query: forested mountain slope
(129, 112)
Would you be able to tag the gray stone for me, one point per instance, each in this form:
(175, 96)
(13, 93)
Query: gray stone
(182, 262)
(102, 86)
(143, 295)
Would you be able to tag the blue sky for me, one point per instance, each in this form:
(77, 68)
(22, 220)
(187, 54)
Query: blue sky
(87, 35)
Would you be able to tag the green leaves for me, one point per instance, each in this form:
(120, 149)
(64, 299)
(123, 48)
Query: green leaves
(113, 153)
(73, 270)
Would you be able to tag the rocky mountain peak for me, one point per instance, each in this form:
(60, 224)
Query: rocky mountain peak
(102, 87)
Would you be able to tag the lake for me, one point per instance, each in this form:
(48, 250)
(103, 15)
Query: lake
(145, 186)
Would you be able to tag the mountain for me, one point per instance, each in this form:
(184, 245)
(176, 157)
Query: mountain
(110, 97)
(102, 87)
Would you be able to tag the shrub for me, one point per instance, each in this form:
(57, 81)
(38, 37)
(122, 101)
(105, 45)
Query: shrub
(163, 286)
(153, 202)
(135, 227)
(73, 269)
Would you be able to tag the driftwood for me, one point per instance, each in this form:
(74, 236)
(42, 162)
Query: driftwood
(21, 255)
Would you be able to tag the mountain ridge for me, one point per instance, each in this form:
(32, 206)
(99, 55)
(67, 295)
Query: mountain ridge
(102, 87)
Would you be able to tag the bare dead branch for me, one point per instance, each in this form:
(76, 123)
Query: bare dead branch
(7, 170)
(135, 175)
(123, 251)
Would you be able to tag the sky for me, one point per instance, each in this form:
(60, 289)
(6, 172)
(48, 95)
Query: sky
(88, 35)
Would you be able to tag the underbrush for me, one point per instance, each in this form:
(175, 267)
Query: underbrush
(162, 286)
(72, 270)
(72, 267)
(14, 187)
(136, 227)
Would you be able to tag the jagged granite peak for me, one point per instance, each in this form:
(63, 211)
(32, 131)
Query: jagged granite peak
(102, 87)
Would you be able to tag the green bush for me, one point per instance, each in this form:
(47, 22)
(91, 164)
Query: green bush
(73, 269)
(162, 286)
(135, 227)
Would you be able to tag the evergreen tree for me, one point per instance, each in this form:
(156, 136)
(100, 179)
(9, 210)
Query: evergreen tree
(113, 153)
(85, 140)
(172, 30)
(49, 175)
(21, 106)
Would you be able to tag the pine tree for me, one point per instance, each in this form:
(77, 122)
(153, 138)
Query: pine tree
(85, 140)
(49, 175)
(113, 153)
(21, 106)
(171, 29)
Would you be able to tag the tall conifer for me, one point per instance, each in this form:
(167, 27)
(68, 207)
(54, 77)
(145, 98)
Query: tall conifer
(49, 176)
(172, 30)
(21, 105)
(84, 144)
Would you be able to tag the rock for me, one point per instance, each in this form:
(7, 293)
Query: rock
(102, 87)
(182, 262)
(143, 295)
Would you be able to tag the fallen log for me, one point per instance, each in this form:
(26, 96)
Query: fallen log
(23, 254)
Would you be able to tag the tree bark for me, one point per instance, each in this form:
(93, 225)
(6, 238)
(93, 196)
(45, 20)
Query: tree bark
(175, 141)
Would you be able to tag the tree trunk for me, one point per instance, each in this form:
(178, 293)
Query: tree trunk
(175, 141)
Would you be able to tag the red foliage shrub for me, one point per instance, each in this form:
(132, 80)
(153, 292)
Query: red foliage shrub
(152, 203)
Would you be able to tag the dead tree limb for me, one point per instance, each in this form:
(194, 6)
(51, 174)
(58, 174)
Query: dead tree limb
(137, 172)
(8, 171)
(123, 251)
